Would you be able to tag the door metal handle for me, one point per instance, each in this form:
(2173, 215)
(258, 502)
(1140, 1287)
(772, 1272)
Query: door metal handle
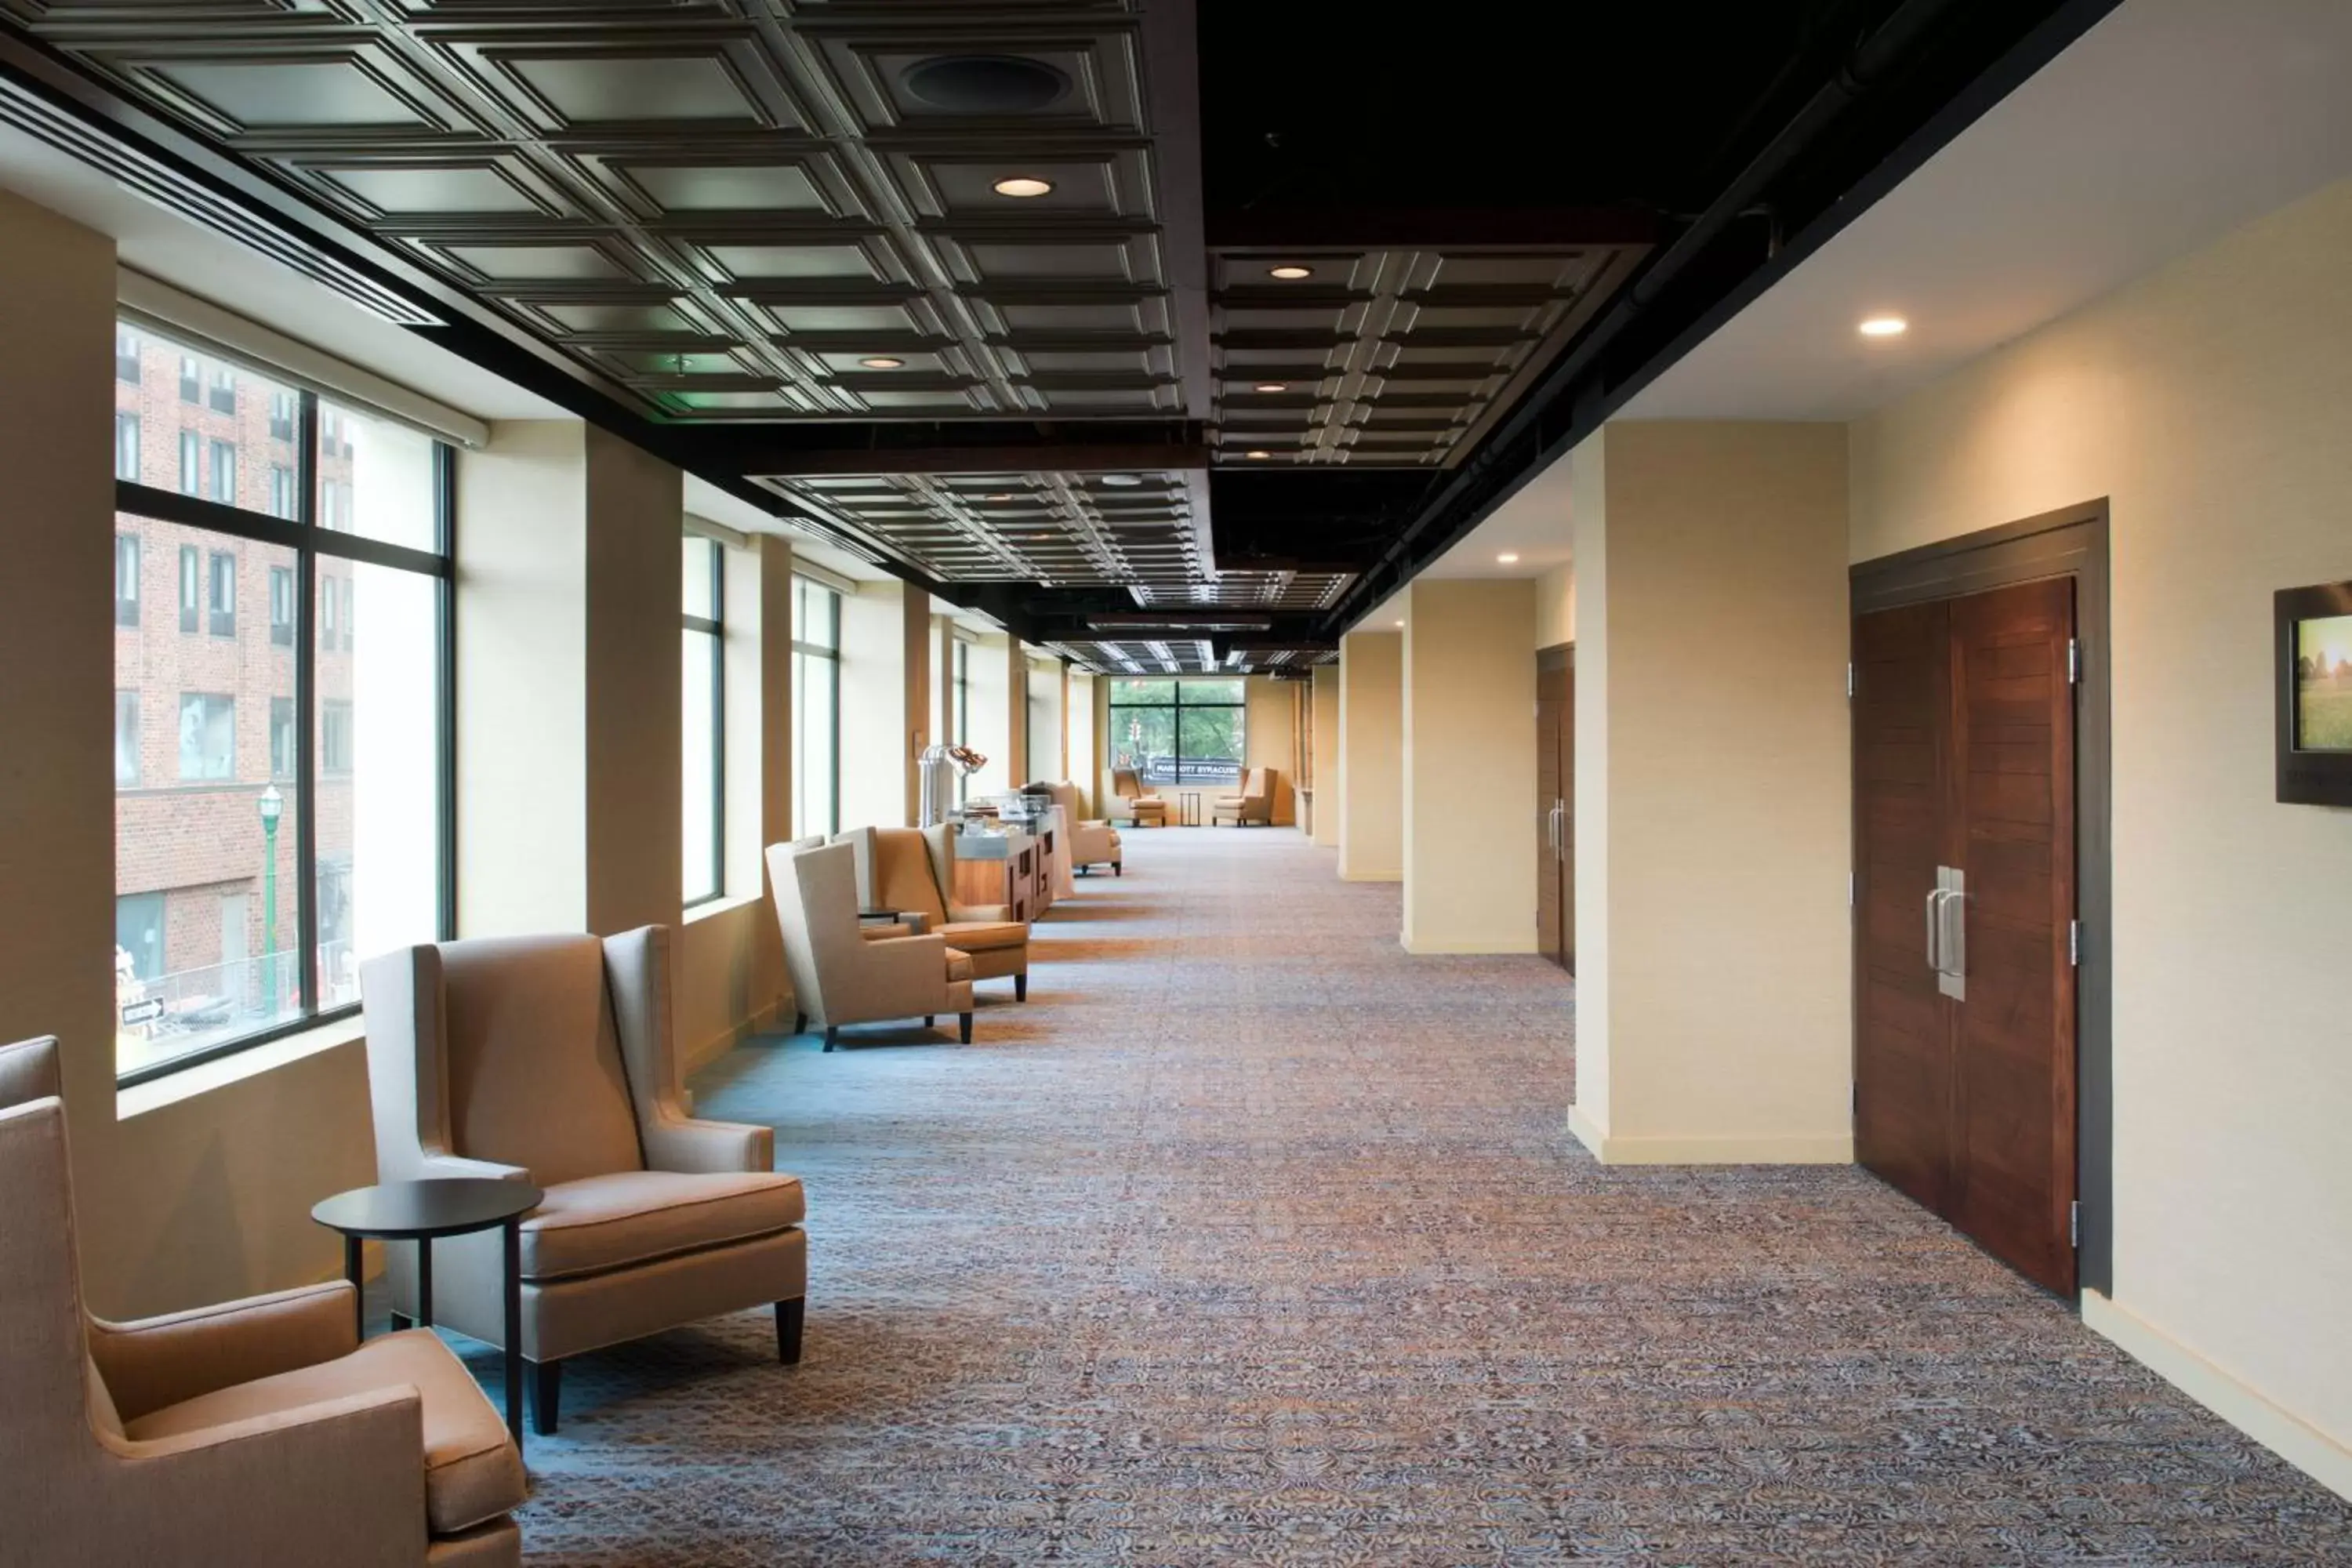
(1949, 931)
(1935, 926)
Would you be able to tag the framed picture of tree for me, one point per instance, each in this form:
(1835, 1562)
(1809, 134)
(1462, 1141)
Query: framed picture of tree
(2313, 654)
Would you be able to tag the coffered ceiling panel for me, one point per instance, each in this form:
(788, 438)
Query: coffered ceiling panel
(1393, 356)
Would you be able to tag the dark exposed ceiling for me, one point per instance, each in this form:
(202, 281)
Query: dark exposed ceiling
(1312, 288)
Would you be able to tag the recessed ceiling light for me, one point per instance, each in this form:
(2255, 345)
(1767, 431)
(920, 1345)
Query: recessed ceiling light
(1290, 272)
(1258, 452)
(1123, 481)
(1019, 185)
(1001, 496)
(882, 362)
(1884, 327)
(1273, 386)
(1507, 559)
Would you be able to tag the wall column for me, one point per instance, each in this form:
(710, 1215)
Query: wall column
(886, 702)
(1016, 712)
(1469, 746)
(1712, 794)
(1371, 757)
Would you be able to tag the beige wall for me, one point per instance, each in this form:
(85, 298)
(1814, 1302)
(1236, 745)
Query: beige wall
(2209, 403)
(1270, 738)
(1325, 742)
(886, 663)
(1556, 606)
(1084, 742)
(1469, 791)
(1049, 731)
(992, 717)
(1371, 756)
(1711, 723)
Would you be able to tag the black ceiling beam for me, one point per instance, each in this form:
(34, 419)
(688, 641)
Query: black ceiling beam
(1401, 227)
(953, 446)
(1931, 70)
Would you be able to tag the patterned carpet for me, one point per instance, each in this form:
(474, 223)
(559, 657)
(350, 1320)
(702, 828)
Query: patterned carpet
(1252, 1241)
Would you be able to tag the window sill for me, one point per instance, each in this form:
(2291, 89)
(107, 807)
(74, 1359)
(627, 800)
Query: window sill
(206, 1077)
(709, 908)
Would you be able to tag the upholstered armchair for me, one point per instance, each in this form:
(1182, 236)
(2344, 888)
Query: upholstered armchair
(257, 1434)
(1254, 803)
(842, 977)
(1090, 843)
(548, 1059)
(913, 870)
(1128, 803)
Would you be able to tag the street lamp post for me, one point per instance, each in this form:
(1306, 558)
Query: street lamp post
(272, 802)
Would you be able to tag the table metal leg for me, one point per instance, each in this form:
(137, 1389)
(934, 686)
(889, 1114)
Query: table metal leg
(513, 1230)
(351, 1273)
(424, 1281)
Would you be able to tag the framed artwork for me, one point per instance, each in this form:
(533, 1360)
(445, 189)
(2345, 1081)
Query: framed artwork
(2314, 651)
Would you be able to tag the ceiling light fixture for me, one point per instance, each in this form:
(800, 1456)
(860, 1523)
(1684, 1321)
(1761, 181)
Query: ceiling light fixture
(1258, 452)
(1022, 185)
(1001, 496)
(1400, 622)
(1290, 272)
(1123, 481)
(1884, 327)
(1273, 386)
(1507, 559)
(882, 362)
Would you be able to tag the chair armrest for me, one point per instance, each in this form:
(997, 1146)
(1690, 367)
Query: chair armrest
(980, 913)
(913, 967)
(884, 933)
(158, 1362)
(447, 1167)
(695, 1147)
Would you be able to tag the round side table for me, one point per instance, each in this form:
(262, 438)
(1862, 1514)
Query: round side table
(421, 1212)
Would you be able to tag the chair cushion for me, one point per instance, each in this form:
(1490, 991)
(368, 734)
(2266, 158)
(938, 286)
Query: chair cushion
(958, 966)
(472, 1472)
(984, 936)
(600, 1223)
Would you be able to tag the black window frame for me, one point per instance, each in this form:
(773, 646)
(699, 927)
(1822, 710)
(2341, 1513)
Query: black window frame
(714, 626)
(311, 542)
(1177, 706)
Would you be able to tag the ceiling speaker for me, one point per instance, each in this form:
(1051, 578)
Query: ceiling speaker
(985, 84)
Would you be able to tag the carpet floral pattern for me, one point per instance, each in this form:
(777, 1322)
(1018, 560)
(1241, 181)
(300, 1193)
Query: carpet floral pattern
(1251, 1239)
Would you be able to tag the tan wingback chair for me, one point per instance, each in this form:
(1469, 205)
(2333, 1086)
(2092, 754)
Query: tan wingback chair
(1254, 803)
(841, 975)
(548, 1059)
(913, 869)
(1128, 803)
(257, 1434)
(1091, 843)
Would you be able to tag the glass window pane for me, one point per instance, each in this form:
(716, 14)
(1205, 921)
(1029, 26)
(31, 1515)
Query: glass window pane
(207, 901)
(1209, 740)
(816, 768)
(376, 479)
(378, 744)
(698, 701)
(1144, 739)
(699, 578)
(1213, 690)
(1126, 690)
(216, 439)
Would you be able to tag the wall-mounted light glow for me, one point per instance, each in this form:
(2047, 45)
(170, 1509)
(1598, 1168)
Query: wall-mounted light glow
(882, 362)
(1022, 185)
(1507, 559)
(1290, 272)
(1884, 327)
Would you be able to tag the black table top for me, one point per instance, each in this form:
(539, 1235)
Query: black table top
(407, 1210)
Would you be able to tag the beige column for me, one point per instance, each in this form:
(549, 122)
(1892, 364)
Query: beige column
(1324, 739)
(1469, 744)
(1371, 756)
(886, 702)
(1712, 794)
(568, 705)
(1016, 714)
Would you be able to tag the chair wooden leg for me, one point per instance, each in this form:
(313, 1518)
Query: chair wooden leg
(963, 1028)
(832, 1036)
(930, 1020)
(1020, 988)
(789, 1317)
(546, 1394)
(800, 1023)
(1118, 870)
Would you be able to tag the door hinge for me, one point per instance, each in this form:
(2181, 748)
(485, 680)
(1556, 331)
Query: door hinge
(1849, 680)
(2074, 661)
(2075, 1225)
(2074, 944)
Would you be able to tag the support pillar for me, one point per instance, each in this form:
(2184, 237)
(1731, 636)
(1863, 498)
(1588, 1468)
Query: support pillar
(1371, 757)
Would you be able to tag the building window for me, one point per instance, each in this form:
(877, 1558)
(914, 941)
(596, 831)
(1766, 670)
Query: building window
(224, 390)
(191, 594)
(281, 606)
(281, 738)
(220, 603)
(335, 736)
(816, 708)
(126, 446)
(703, 703)
(126, 740)
(960, 712)
(1178, 731)
(126, 356)
(247, 897)
(208, 737)
(224, 472)
(126, 578)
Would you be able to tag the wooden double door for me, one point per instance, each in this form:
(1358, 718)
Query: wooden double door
(1556, 806)
(1965, 897)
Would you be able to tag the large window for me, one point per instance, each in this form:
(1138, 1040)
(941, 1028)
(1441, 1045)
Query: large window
(960, 711)
(702, 700)
(280, 798)
(1175, 731)
(816, 708)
